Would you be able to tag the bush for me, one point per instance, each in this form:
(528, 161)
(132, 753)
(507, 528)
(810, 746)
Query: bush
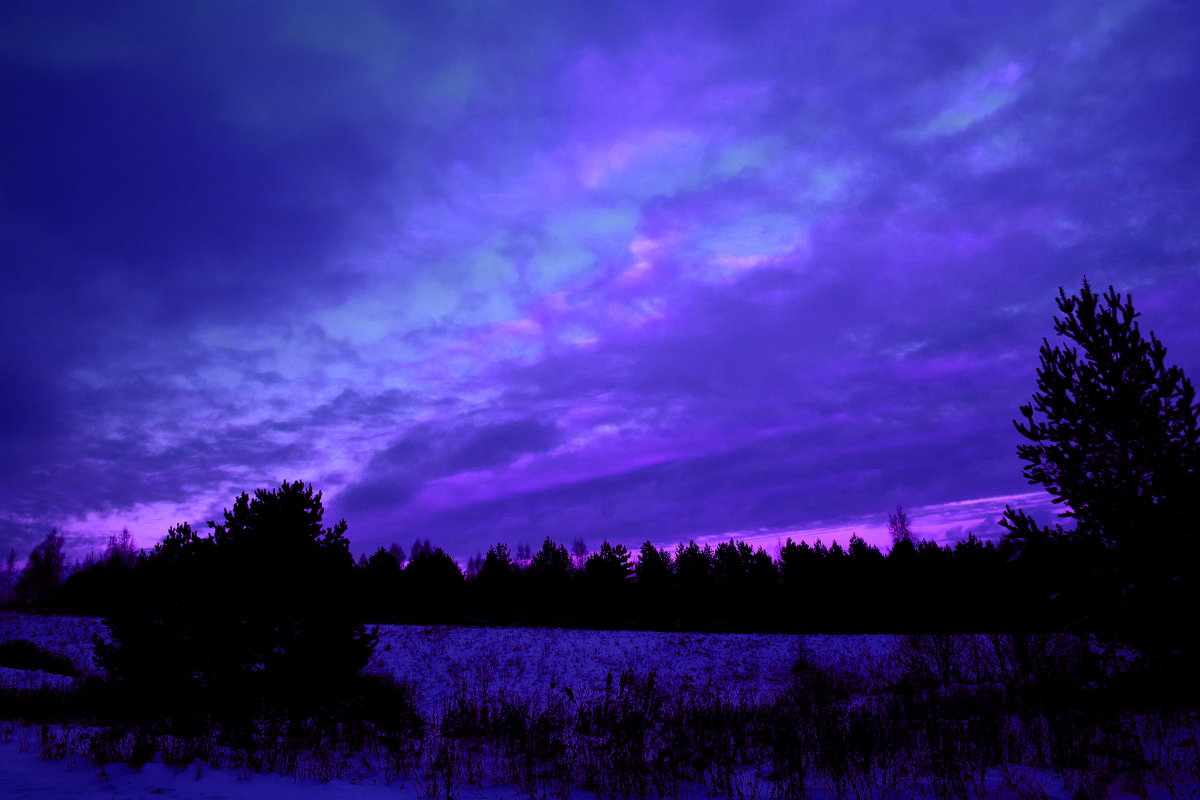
(24, 654)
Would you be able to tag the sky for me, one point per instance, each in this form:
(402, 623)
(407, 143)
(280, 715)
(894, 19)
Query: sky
(496, 271)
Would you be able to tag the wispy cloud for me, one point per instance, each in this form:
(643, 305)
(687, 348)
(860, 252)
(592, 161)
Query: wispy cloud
(652, 272)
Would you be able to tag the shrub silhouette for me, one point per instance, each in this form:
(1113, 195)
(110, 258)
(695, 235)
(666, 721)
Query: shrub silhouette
(24, 654)
(261, 606)
(102, 585)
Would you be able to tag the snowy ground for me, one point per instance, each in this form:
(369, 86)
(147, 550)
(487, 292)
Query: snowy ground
(24, 776)
(31, 679)
(437, 661)
(527, 661)
(70, 637)
(532, 662)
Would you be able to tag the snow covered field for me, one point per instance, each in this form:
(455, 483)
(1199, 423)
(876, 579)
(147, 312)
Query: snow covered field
(437, 661)
(529, 661)
(532, 662)
(25, 777)
(62, 635)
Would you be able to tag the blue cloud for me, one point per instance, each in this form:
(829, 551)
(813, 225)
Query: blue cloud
(657, 262)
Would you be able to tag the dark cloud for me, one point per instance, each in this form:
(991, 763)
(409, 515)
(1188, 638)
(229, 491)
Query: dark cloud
(497, 445)
(655, 270)
(393, 477)
(788, 480)
(132, 188)
(396, 474)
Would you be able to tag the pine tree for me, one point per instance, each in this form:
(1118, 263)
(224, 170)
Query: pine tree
(549, 578)
(653, 572)
(1112, 436)
(610, 565)
(263, 604)
(1112, 430)
(654, 579)
(433, 583)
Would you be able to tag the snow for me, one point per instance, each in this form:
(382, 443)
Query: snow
(66, 636)
(31, 679)
(23, 776)
(438, 661)
(530, 662)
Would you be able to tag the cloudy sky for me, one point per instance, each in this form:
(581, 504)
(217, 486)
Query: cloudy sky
(492, 271)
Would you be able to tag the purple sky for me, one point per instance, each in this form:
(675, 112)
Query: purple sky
(492, 271)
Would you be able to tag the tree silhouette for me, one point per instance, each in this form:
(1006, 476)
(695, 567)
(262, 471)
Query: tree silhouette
(496, 583)
(102, 585)
(1113, 437)
(433, 584)
(383, 561)
(261, 605)
(1112, 430)
(551, 563)
(862, 553)
(497, 567)
(654, 580)
(10, 571)
(609, 565)
(549, 577)
(44, 571)
(381, 583)
(121, 550)
(694, 577)
(730, 561)
(898, 527)
(606, 582)
(579, 551)
(798, 562)
(835, 555)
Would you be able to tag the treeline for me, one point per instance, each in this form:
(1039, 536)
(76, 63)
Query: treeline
(732, 586)
(1112, 434)
(48, 580)
(917, 585)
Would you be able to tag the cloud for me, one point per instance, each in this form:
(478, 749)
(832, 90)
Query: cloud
(687, 268)
(499, 444)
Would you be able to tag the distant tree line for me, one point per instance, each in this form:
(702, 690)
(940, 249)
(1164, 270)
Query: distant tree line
(48, 581)
(1112, 434)
(732, 586)
(917, 584)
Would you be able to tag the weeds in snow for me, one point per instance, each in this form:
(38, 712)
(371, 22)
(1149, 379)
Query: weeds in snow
(963, 718)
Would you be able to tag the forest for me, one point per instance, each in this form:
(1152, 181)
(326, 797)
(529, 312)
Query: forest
(916, 585)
